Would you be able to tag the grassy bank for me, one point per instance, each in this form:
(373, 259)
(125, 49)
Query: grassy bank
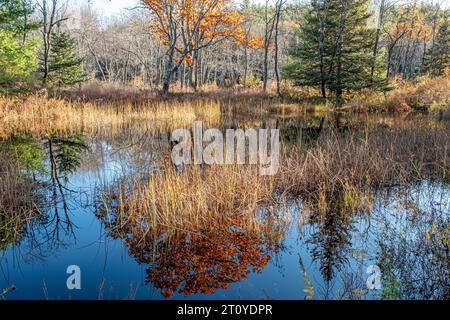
(100, 105)
(423, 94)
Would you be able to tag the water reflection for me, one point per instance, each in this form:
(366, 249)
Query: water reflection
(414, 252)
(34, 205)
(331, 243)
(200, 263)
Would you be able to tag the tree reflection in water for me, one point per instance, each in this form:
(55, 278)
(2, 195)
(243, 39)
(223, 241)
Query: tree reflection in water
(191, 263)
(201, 263)
(33, 175)
(406, 235)
(331, 242)
(415, 259)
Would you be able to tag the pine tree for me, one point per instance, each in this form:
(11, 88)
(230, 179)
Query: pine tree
(437, 58)
(15, 16)
(311, 54)
(335, 51)
(65, 68)
(352, 48)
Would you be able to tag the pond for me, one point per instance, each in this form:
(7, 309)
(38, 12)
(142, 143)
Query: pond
(301, 254)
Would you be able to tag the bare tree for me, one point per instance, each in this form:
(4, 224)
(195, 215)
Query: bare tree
(269, 26)
(52, 14)
(278, 9)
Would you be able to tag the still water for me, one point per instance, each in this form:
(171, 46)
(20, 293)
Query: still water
(308, 257)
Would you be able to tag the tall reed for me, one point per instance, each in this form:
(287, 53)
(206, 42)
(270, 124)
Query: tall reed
(36, 115)
(198, 198)
(346, 168)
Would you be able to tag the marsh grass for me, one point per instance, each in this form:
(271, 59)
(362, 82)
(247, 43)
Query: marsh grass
(198, 198)
(337, 172)
(346, 170)
(421, 94)
(39, 116)
(19, 202)
(339, 169)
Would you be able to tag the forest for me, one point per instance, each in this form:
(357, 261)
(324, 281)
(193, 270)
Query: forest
(333, 46)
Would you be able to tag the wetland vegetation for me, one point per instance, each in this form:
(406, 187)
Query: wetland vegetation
(87, 177)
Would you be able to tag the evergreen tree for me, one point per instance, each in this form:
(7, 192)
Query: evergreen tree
(311, 55)
(65, 68)
(437, 58)
(335, 51)
(352, 51)
(15, 16)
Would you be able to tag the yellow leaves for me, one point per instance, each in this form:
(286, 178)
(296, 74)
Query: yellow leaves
(309, 287)
(414, 22)
(256, 42)
(439, 233)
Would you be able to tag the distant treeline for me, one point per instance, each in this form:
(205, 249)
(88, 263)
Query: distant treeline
(334, 45)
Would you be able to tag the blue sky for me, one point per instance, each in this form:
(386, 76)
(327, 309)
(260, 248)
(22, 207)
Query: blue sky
(112, 7)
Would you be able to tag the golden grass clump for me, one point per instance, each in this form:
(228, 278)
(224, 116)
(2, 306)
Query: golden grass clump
(196, 199)
(422, 94)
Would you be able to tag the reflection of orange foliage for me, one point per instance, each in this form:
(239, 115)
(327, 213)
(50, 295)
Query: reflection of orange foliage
(200, 263)
(194, 262)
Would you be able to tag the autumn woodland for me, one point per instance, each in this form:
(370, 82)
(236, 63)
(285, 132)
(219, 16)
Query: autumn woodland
(355, 92)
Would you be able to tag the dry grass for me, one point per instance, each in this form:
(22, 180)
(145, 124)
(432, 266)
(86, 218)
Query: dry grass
(345, 170)
(192, 200)
(38, 116)
(422, 94)
(336, 172)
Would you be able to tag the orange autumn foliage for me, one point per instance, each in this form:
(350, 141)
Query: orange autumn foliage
(191, 263)
(197, 24)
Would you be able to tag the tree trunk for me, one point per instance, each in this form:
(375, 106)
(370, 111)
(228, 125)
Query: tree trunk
(377, 39)
(169, 71)
(279, 5)
(322, 62)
